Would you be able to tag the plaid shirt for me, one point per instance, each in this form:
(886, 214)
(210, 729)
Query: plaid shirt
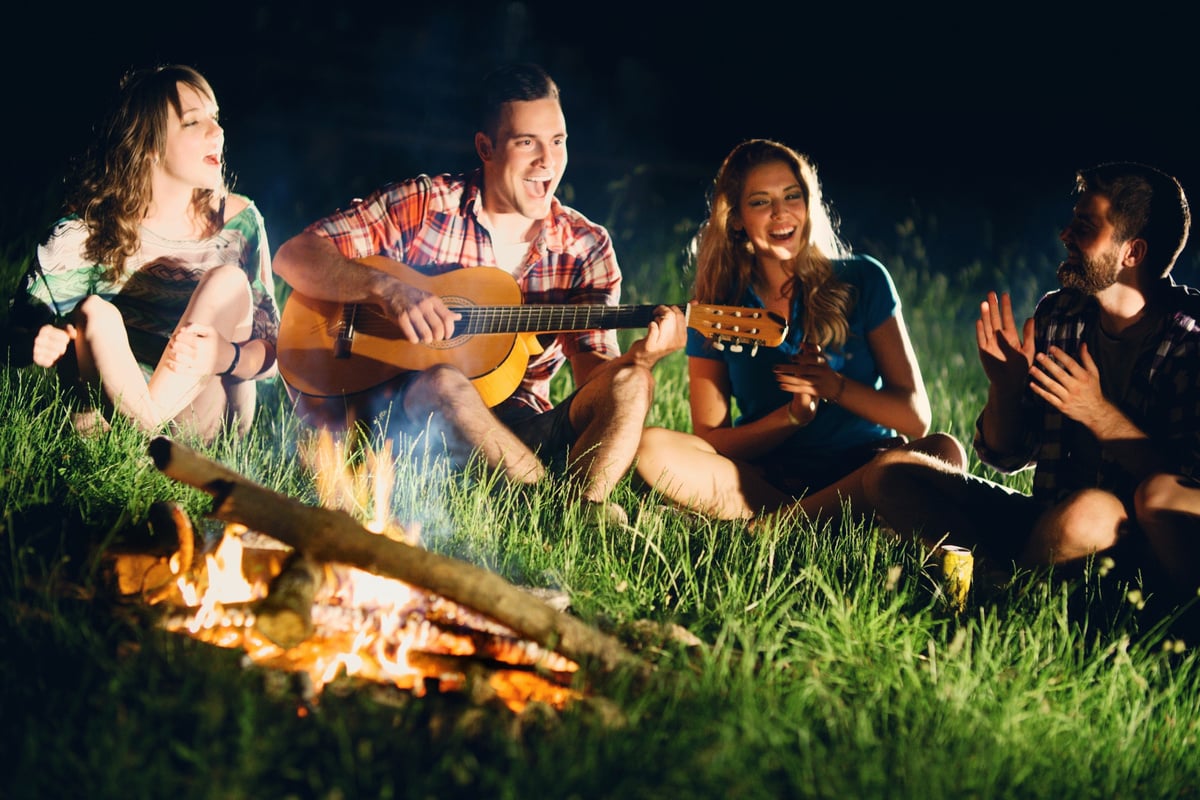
(1161, 399)
(432, 225)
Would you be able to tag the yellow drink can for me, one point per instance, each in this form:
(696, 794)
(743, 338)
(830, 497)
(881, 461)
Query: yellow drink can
(958, 565)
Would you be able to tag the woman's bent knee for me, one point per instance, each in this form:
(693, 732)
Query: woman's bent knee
(96, 312)
(654, 439)
(227, 278)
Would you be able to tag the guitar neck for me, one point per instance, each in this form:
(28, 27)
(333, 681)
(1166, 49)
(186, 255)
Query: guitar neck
(549, 318)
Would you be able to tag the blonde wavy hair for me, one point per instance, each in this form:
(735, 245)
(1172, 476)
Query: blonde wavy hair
(725, 260)
(112, 186)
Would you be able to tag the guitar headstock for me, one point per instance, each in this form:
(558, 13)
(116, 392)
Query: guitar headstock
(735, 326)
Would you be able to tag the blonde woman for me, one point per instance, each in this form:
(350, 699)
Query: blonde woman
(843, 387)
(156, 287)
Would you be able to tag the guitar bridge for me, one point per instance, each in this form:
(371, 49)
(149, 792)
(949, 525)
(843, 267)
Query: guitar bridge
(344, 340)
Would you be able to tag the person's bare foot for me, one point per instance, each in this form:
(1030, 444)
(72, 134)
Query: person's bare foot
(90, 422)
(598, 516)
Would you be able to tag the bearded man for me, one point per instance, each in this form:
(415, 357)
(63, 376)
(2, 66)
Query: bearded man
(1097, 392)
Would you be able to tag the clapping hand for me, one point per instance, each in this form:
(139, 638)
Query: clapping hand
(809, 374)
(1071, 386)
(1006, 353)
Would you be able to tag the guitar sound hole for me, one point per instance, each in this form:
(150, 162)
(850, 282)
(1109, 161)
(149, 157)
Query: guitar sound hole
(456, 302)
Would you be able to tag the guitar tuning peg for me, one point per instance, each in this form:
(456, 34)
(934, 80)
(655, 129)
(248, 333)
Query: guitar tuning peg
(718, 344)
(754, 350)
(735, 348)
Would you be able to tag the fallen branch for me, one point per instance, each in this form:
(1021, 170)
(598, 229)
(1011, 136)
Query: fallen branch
(329, 535)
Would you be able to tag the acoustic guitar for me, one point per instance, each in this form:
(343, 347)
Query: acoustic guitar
(329, 349)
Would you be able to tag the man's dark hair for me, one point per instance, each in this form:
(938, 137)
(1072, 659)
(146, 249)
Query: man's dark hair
(521, 81)
(1147, 204)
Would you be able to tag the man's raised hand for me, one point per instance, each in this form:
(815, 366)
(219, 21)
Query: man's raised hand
(1005, 352)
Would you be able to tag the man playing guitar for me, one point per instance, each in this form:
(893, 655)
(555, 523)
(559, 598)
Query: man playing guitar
(503, 215)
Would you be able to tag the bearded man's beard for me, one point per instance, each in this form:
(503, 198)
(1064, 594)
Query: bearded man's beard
(1092, 274)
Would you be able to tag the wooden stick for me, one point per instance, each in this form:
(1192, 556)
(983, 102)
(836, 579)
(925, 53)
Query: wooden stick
(285, 615)
(330, 535)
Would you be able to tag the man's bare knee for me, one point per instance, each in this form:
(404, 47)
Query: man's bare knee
(632, 383)
(1087, 522)
(441, 382)
(1159, 494)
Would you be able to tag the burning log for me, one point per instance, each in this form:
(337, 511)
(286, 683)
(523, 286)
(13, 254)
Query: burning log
(334, 536)
(153, 575)
(285, 615)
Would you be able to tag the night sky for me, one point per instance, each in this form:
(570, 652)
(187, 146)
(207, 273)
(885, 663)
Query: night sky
(987, 114)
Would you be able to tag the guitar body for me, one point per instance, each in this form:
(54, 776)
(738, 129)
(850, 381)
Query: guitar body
(311, 362)
(335, 350)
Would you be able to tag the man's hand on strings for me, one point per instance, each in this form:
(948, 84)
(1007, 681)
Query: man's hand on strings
(420, 315)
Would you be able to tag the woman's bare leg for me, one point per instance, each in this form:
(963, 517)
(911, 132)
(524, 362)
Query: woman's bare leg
(240, 402)
(222, 300)
(688, 471)
(106, 359)
(919, 494)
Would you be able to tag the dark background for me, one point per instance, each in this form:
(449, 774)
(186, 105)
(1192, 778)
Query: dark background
(976, 117)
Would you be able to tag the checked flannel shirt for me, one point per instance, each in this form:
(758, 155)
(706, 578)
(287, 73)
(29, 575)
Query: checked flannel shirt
(431, 223)
(1162, 397)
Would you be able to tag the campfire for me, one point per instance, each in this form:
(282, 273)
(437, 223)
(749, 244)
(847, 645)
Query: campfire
(313, 591)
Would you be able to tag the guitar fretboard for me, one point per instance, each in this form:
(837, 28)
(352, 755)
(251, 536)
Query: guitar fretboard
(549, 318)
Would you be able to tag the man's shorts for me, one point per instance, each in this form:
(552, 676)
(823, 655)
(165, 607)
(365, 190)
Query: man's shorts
(547, 433)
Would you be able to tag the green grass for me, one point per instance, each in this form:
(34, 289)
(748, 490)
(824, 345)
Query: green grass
(829, 665)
